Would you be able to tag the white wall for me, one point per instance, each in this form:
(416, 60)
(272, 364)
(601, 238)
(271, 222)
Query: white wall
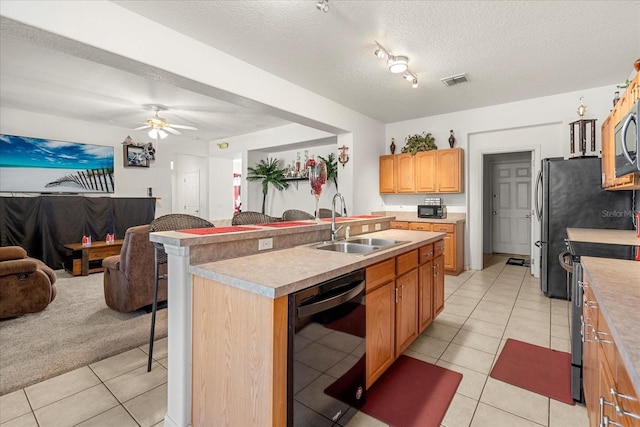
(129, 182)
(540, 125)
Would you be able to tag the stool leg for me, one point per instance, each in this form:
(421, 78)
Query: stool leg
(153, 311)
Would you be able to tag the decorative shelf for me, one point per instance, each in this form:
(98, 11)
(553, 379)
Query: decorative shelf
(296, 180)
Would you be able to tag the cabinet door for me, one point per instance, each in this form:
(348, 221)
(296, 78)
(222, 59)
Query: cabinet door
(450, 252)
(450, 171)
(399, 225)
(425, 295)
(425, 162)
(422, 226)
(438, 285)
(608, 153)
(387, 174)
(405, 178)
(406, 310)
(380, 331)
(590, 374)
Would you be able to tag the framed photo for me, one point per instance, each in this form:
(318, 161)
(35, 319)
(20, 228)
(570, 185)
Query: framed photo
(135, 156)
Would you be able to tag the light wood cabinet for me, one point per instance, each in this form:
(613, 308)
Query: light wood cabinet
(608, 390)
(438, 277)
(453, 242)
(399, 305)
(387, 174)
(399, 225)
(425, 287)
(627, 101)
(440, 171)
(434, 171)
(406, 299)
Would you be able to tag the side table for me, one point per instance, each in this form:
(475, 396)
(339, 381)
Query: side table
(86, 259)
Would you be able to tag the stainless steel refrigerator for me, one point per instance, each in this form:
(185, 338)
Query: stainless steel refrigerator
(569, 194)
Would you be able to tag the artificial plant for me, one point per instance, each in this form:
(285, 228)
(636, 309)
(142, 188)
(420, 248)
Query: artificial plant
(332, 168)
(417, 142)
(269, 172)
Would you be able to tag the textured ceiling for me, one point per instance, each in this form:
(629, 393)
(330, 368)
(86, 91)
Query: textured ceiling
(510, 50)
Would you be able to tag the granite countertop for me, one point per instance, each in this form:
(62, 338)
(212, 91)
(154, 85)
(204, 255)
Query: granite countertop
(452, 217)
(616, 286)
(605, 236)
(277, 273)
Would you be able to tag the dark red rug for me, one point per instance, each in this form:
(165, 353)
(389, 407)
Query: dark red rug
(534, 368)
(412, 393)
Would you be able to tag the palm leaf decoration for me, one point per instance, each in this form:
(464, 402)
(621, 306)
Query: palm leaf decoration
(332, 167)
(269, 172)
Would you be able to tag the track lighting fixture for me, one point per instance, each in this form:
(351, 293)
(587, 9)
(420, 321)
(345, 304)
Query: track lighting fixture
(323, 6)
(397, 64)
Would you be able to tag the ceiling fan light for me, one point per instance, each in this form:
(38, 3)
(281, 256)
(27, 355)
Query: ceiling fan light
(157, 133)
(398, 64)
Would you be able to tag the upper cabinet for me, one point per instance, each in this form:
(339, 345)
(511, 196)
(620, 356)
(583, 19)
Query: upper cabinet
(435, 171)
(630, 181)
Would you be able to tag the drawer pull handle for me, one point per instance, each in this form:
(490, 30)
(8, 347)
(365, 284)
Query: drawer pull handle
(617, 407)
(607, 422)
(590, 304)
(596, 338)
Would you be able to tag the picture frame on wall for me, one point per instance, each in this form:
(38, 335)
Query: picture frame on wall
(135, 156)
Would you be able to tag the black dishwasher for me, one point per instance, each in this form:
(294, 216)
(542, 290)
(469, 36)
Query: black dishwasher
(326, 357)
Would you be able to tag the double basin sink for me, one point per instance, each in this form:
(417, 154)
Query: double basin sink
(359, 245)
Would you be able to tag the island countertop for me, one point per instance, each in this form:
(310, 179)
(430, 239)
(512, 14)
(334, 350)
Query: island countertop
(616, 286)
(452, 217)
(277, 273)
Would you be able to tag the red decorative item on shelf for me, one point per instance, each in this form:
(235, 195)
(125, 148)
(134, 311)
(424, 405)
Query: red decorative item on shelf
(317, 179)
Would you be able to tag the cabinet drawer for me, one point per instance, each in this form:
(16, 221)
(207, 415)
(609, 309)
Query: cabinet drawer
(438, 248)
(425, 253)
(443, 228)
(406, 262)
(399, 225)
(380, 273)
(422, 226)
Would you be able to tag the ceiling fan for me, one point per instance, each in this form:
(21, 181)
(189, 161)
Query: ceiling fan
(159, 126)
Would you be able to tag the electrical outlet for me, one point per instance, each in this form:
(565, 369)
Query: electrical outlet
(265, 244)
(378, 227)
(365, 228)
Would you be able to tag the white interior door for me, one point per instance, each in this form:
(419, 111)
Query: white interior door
(191, 203)
(511, 207)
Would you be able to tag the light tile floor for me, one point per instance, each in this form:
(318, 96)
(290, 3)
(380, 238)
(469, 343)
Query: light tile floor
(482, 309)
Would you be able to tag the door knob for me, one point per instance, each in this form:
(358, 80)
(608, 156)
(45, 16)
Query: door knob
(528, 216)
(495, 212)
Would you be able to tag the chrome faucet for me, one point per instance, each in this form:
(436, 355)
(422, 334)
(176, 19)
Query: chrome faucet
(334, 230)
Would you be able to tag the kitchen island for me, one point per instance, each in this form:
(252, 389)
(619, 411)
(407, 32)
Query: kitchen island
(232, 263)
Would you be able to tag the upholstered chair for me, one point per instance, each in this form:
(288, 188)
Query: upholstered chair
(128, 277)
(296, 215)
(249, 217)
(325, 213)
(27, 285)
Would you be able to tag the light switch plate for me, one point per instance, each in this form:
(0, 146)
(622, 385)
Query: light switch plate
(365, 228)
(378, 227)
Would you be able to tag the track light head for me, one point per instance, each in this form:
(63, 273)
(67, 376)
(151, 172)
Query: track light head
(398, 64)
(323, 6)
(414, 83)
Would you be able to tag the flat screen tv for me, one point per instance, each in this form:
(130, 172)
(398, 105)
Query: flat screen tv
(35, 165)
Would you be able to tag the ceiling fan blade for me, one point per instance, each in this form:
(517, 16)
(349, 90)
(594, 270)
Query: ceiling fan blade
(170, 129)
(142, 127)
(184, 127)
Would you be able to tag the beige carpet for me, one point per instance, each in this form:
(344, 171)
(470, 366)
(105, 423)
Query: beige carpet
(76, 329)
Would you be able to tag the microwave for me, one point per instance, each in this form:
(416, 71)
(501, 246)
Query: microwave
(432, 211)
(627, 140)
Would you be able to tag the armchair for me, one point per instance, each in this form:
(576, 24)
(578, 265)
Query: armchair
(129, 277)
(27, 285)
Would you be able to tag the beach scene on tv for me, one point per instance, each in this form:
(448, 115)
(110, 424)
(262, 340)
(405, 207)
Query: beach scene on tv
(35, 165)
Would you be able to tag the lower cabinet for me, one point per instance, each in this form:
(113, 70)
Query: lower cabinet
(401, 293)
(610, 396)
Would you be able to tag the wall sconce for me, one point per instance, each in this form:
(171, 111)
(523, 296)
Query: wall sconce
(343, 158)
(397, 64)
(223, 145)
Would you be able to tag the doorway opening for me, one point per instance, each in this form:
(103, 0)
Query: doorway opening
(507, 210)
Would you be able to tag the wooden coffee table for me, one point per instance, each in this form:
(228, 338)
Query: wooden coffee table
(86, 259)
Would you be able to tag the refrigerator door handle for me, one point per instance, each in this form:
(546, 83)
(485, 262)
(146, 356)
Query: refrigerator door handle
(539, 243)
(536, 196)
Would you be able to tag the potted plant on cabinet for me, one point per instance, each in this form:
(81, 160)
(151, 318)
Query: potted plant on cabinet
(417, 142)
(269, 172)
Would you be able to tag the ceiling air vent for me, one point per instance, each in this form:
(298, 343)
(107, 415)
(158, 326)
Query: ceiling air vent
(454, 80)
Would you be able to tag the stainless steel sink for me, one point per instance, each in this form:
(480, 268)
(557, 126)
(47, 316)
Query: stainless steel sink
(348, 247)
(372, 241)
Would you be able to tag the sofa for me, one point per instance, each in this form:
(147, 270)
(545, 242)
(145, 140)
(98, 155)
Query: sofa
(128, 277)
(27, 285)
